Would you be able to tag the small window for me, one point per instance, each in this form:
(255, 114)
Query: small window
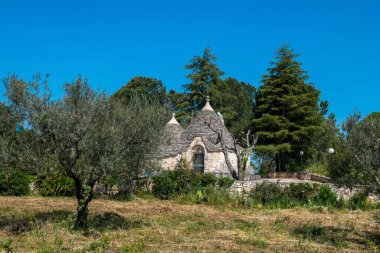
(198, 159)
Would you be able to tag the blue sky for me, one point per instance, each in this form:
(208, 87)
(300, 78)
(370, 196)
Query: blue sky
(112, 41)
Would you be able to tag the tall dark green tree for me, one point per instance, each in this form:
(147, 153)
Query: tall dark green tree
(287, 111)
(234, 100)
(151, 88)
(178, 102)
(204, 74)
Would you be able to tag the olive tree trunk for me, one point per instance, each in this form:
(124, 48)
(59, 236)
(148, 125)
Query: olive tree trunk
(84, 194)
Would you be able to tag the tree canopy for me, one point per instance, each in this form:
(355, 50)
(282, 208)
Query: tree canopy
(151, 88)
(204, 74)
(88, 135)
(287, 111)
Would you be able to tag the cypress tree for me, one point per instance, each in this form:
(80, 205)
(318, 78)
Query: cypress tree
(287, 112)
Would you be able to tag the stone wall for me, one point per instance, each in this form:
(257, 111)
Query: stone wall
(169, 163)
(303, 175)
(216, 164)
(242, 188)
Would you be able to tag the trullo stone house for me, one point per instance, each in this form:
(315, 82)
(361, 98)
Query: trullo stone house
(199, 144)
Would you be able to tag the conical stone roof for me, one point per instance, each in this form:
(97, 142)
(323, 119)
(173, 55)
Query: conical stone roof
(171, 141)
(204, 125)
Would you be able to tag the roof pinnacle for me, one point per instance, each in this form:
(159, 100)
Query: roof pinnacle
(207, 106)
(173, 120)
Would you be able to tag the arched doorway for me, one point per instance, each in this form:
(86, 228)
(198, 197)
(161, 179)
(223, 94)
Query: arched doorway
(199, 159)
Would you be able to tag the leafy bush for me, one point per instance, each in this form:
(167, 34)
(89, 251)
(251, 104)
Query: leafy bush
(169, 184)
(318, 167)
(269, 194)
(225, 182)
(359, 200)
(14, 183)
(303, 193)
(273, 195)
(57, 185)
(326, 196)
(209, 195)
(204, 180)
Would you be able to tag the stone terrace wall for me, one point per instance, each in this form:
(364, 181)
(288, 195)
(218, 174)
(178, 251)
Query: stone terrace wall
(303, 175)
(242, 188)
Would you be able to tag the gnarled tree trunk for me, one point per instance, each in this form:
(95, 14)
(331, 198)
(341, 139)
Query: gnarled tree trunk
(84, 194)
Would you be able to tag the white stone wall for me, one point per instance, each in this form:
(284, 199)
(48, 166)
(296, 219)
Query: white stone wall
(216, 163)
(169, 163)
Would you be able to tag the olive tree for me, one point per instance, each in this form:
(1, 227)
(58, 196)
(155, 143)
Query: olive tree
(89, 135)
(363, 143)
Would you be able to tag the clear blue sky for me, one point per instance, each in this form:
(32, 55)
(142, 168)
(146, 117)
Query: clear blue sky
(112, 41)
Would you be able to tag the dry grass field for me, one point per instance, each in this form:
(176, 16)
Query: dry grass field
(42, 224)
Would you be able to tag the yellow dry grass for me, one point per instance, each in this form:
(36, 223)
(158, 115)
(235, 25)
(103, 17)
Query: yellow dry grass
(42, 224)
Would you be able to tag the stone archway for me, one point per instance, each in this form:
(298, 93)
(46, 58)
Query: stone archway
(198, 159)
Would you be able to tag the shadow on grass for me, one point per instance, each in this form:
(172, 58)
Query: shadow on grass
(17, 224)
(338, 237)
(114, 221)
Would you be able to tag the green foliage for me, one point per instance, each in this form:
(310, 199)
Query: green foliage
(57, 185)
(326, 196)
(225, 182)
(287, 111)
(89, 135)
(319, 233)
(302, 192)
(169, 184)
(204, 74)
(210, 195)
(150, 88)
(267, 194)
(274, 196)
(6, 246)
(137, 247)
(232, 98)
(206, 179)
(362, 142)
(100, 245)
(318, 168)
(179, 103)
(14, 183)
(359, 200)
(356, 160)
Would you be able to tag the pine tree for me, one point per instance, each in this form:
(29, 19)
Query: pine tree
(234, 100)
(205, 73)
(287, 112)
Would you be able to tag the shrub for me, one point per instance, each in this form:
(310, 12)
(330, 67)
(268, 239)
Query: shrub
(268, 194)
(205, 180)
(57, 185)
(209, 195)
(14, 183)
(302, 192)
(225, 182)
(169, 184)
(359, 200)
(326, 196)
(317, 167)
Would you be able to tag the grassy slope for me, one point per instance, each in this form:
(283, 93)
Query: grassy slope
(41, 224)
